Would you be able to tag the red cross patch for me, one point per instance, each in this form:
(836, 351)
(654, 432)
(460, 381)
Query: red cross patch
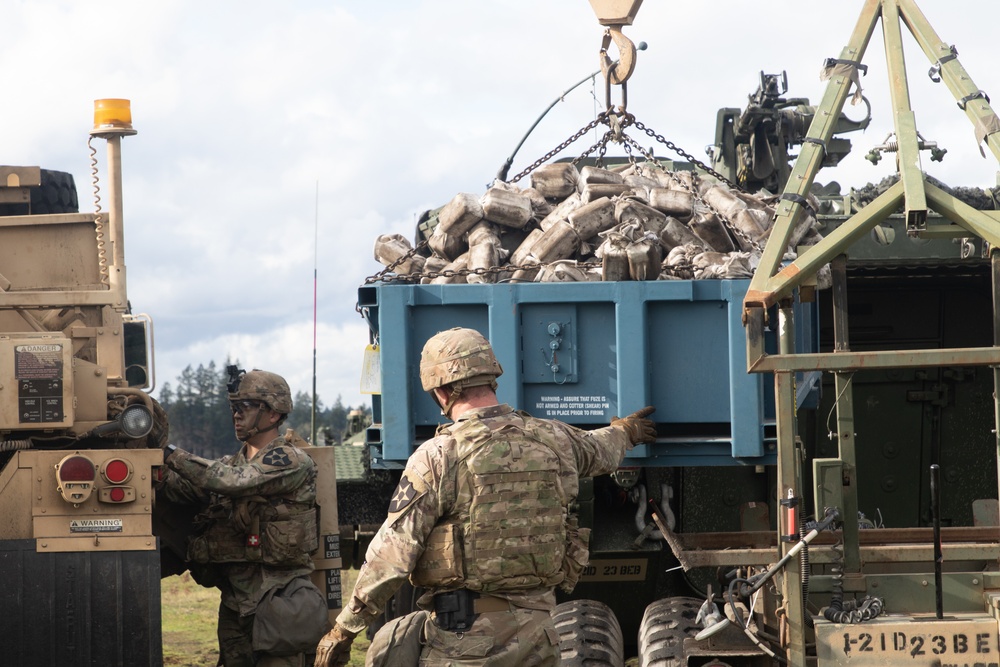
(253, 540)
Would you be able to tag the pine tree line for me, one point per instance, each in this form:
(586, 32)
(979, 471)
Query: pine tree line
(201, 421)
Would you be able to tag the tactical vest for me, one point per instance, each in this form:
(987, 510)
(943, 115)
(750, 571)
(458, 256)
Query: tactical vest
(509, 531)
(274, 531)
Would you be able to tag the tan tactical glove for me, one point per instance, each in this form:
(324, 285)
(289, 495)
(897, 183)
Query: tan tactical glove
(638, 428)
(334, 649)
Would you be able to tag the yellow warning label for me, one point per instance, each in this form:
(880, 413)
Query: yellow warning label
(371, 371)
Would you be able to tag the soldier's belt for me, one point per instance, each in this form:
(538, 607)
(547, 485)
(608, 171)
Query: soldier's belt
(485, 604)
(457, 610)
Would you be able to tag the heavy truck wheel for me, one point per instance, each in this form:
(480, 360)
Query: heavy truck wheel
(665, 626)
(589, 634)
(56, 194)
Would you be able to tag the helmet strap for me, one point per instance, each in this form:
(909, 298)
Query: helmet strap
(456, 391)
(478, 381)
(255, 429)
(460, 386)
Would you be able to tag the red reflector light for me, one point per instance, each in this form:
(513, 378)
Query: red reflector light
(116, 471)
(77, 469)
(117, 495)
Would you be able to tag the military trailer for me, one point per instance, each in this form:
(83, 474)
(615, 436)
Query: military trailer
(823, 488)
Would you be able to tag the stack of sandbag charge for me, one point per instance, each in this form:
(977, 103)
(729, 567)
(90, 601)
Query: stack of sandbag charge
(638, 222)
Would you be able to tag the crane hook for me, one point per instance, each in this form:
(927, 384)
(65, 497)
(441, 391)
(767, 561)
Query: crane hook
(615, 15)
(617, 72)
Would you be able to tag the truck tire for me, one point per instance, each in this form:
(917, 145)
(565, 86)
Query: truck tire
(56, 194)
(665, 626)
(589, 634)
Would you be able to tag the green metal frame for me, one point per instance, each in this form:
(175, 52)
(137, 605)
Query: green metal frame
(773, 285)
(769, 285)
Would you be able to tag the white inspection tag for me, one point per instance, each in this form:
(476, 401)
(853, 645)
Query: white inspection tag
(371, 371)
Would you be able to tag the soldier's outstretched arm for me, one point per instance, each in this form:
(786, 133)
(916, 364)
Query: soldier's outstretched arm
(177, 489)
(638, 426)
(280, 470)
(600, 451)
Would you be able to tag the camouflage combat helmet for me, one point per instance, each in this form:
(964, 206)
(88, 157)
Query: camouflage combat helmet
(458, 355)
(269, 388)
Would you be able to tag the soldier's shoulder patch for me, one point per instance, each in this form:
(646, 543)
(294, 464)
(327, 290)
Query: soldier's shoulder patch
(410, 487)
(277, 458)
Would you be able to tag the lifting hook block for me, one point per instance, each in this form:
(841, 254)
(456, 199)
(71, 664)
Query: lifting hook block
(617, 72)
(616, 14)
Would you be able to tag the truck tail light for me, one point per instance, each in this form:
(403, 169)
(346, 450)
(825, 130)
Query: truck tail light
(116, 494)
(75, 475)
(117, 471)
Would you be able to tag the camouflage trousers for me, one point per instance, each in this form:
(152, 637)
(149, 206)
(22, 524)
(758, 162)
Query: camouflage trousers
(519, 637)
(235, 644)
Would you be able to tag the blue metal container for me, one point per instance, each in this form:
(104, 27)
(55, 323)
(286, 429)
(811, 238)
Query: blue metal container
(585, 352)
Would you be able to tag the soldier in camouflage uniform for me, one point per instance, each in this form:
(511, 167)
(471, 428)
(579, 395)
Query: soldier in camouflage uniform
(257, 527)
(482, 520)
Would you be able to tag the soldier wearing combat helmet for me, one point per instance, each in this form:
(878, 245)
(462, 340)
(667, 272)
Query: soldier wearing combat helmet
(482, 519)
(256, 529)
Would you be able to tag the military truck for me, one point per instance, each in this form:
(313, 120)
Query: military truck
(79, 432)
(83, 542)
(823, 487)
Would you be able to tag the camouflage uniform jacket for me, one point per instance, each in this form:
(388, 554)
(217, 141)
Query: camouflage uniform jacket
(428, 492)
(279, 469)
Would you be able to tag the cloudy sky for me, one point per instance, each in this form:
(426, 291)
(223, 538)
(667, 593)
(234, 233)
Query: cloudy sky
(258, 119)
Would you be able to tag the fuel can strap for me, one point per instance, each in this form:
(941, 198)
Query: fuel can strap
(833, 62)
(798, 199)
(839, 67)
(935, 71)
(818, 142)
(979, 94)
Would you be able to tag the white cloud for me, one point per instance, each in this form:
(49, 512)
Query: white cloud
(393, 107)
(286, 350)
